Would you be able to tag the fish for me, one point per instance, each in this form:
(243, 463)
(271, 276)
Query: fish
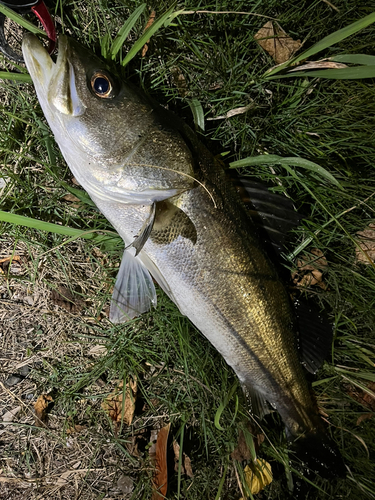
(183, 225)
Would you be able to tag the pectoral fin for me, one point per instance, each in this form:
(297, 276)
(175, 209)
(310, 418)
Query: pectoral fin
(145, 231)
(134, 291)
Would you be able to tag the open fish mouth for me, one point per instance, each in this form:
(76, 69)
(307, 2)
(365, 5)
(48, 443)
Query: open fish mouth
(39, 63)
(55, 83)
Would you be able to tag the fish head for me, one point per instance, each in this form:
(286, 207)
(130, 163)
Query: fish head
(78, 92)
(106, 129)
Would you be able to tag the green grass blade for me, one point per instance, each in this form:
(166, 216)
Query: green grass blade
(125, 30)
(105, 45)
(81, 195)
(165, 19)
(198, 113)
(17, 77)
(363, 375)
(354, 59)
(21, 20)
(218, 413)
(20, 220)
(327, 41)
(292, 161)
(354, 73)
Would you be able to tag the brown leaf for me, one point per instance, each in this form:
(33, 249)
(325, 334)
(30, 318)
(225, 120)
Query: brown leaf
(365, 252)
(273, 39)
(150, 21)
(310, 270)
(185, 462)
(71, 197)
(122, 409)
(160, 479)
(179, 81)
(363, 417)
(242, 451)
(11, 264)
(258, 475)
(42, 406)
(75, 429)
(64, 298)
(367, 399)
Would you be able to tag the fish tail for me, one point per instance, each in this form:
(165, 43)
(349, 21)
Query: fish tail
(317, 453)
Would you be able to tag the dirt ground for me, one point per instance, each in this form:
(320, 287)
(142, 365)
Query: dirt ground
(67, 457)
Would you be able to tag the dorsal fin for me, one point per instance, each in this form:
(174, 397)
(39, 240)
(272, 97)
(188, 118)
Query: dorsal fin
(273, 214)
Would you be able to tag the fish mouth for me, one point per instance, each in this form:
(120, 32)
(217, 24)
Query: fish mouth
(38, 62)
(54, 83)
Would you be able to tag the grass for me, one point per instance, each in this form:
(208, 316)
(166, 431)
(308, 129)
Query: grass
(181, 378)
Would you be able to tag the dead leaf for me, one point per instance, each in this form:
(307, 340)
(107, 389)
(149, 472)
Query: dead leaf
(273, 39)
(138, 443)
(160, 479)
(64, 298)
(10, 265)
(323, 64)
(125, 484)
(242, 451)
(119, 409)
(258, 475)
(363, 397)
(63, 479)
(9, 415)
(98, 350)
(185, 462)
(364, 417)
(42, 407)
(365, 252)
(310, 270)
(150, 21)
(233, 112)
(75, 429)
(179, 81)
(71, 197)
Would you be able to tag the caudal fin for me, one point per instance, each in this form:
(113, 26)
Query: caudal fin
(316, 453)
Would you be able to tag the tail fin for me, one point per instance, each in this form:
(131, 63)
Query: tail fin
(318, 454)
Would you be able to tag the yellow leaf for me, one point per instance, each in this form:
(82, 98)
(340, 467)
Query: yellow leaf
(258, 475)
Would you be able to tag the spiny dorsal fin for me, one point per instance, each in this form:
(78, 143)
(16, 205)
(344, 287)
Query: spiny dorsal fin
(273, 214)
(134, 291)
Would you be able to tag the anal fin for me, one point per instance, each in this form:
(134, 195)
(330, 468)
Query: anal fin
(258, 403)
(134, 291)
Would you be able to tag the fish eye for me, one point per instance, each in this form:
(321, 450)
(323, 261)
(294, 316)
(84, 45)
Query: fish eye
(101, 85)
